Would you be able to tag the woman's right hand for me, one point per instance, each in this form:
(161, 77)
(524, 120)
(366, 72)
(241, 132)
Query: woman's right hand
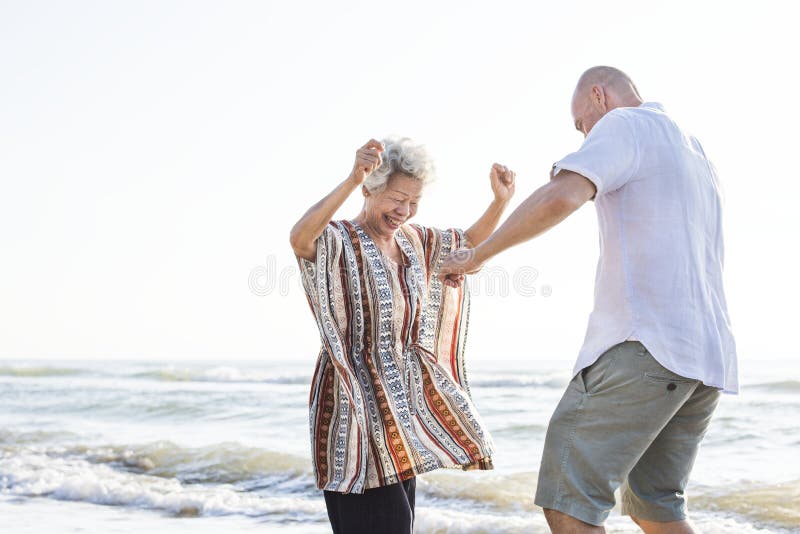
(305, 232)
(368, 158)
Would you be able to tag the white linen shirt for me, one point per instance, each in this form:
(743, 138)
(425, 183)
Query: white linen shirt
(659, 276)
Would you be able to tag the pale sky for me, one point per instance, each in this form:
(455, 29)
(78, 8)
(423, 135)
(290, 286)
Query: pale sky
(154, 155)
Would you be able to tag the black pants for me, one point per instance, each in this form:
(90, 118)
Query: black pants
(384, 510)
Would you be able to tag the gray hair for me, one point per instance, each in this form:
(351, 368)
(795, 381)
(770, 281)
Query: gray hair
(401, 156)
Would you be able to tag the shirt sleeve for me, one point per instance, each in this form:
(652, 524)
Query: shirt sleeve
(609, 157)
(328, 254)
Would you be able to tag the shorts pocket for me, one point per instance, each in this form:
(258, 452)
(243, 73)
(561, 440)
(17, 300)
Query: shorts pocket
(594, 376)
(664, 378)
(577, 383)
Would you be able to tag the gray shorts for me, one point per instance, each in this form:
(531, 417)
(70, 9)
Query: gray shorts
(624, 421)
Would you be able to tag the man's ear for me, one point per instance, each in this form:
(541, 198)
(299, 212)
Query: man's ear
(598, 96)
(364, 191)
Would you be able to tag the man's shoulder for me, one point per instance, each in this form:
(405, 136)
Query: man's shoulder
(647, 109)
(640, 119)
(612, 124)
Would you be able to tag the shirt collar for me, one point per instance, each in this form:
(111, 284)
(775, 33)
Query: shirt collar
(652, 105)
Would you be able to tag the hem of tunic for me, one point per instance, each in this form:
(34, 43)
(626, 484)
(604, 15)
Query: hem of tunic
(481, 464)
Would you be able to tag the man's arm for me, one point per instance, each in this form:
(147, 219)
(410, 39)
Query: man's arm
(545, 208)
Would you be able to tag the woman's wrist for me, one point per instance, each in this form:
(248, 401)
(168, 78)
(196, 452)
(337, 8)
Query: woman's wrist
(500, 203)
(352, 182)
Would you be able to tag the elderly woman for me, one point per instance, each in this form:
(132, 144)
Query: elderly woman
(389, 398)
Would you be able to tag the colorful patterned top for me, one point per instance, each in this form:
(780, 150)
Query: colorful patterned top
(389, 398)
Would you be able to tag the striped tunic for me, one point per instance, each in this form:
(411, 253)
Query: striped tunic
(389, 397)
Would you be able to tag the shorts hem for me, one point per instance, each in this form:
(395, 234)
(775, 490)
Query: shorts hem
(658, 516)
(582, 513)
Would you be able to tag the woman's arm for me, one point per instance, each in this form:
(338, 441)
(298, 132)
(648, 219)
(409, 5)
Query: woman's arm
(305, 232)
(502, 180)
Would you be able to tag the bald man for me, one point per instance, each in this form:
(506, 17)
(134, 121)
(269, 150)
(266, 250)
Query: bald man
(658, 348)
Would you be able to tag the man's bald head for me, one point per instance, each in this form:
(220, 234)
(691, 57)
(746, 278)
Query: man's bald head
(610, 78)
(599, 90)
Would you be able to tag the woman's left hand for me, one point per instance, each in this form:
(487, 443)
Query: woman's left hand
(502, 179)
(456, 265)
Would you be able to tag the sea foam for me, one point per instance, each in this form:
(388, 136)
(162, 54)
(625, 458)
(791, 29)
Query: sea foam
(78, 479)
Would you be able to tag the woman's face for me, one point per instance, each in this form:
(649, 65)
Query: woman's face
(386, 210)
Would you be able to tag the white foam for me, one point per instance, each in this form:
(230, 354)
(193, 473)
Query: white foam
(35, 474)
(226, 462)
(446, 521)
(75, 479)
(506, 492)
(450, 521)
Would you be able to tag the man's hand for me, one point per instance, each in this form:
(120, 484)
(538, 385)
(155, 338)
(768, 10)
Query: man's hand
(458, 264)
(368, 158)
(502, 179)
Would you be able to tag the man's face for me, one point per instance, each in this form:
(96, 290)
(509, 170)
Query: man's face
(588, 107)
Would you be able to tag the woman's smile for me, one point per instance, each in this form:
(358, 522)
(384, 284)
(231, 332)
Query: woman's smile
(393, 223)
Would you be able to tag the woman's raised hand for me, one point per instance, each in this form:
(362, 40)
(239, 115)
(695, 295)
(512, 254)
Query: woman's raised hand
(368, 158)
(502, 179)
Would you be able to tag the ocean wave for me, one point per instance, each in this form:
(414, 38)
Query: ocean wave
(462, 521)
(234, 374)
(226, 463)
(34, 474)
(508, 492)
(767, 504)
(221, 374)
(784, 386)
(38, 371)
(448, 521)
(230, 478)
(516, 381)
(218, 463)
(771, 504)
(10, 439)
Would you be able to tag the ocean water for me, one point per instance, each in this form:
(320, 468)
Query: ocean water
(223, 447)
